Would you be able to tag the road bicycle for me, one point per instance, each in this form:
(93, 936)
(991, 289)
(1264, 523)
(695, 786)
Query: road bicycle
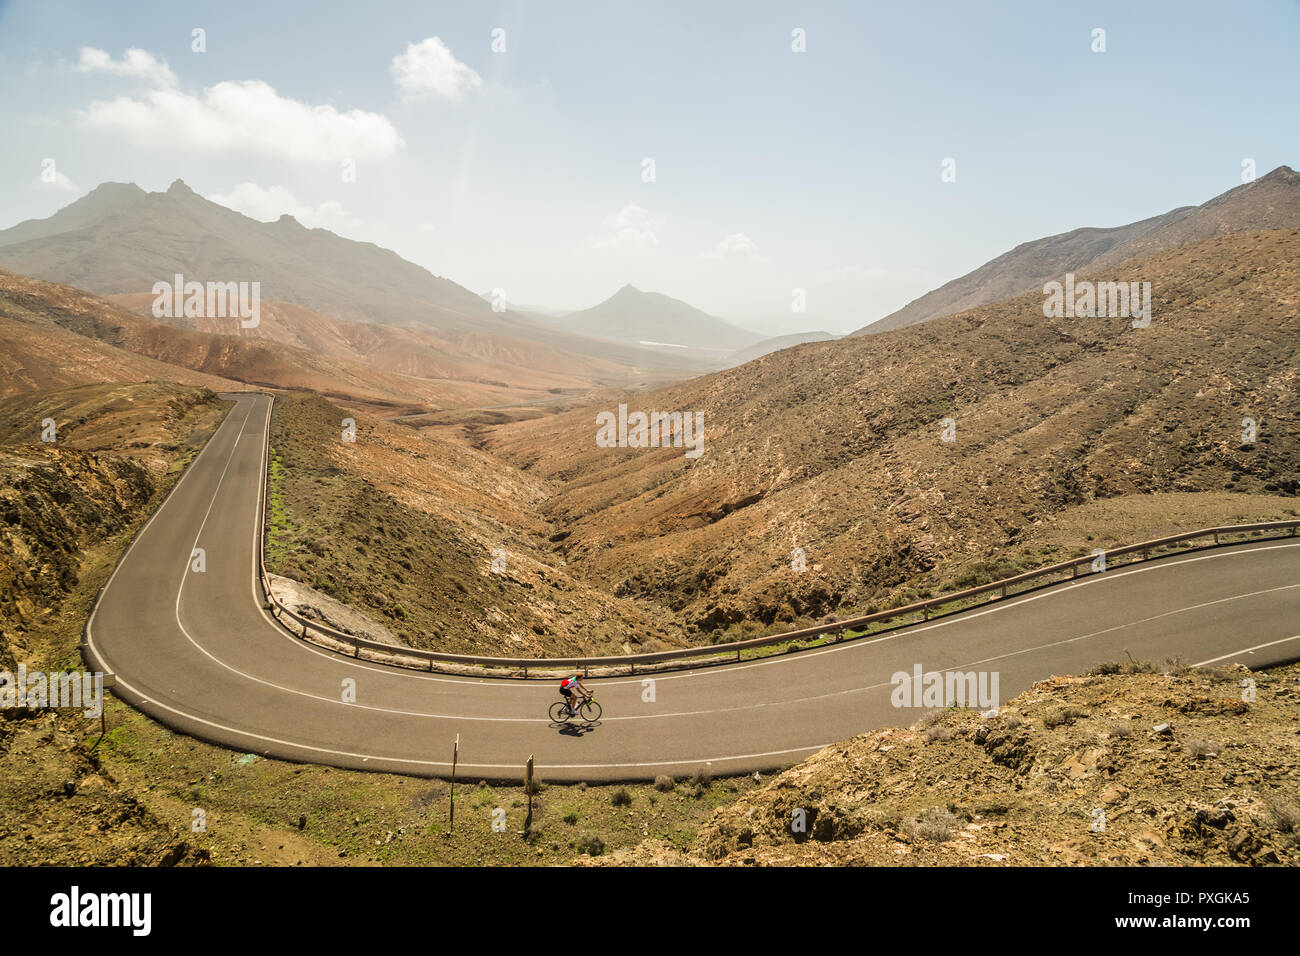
(588, 710)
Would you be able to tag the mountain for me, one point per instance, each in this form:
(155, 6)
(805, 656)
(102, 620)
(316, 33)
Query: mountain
(634, 317)
(1270, 202)
(836, 447)
(119, 239)
(54, 335)
(40, 351)
(501, 361)
(775, 344)
(84, 212)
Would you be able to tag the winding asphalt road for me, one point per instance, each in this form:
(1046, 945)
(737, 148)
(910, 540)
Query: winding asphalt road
(197, 652)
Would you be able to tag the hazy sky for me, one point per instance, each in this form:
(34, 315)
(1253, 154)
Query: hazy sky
(524, 169)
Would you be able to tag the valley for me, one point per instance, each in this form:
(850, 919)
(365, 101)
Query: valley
(471, 507)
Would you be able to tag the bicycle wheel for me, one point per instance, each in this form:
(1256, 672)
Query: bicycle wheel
(559, 712)
(591, 711)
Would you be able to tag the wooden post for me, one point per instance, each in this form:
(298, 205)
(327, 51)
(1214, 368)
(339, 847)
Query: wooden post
(451, 794)
(110, 680)
(528, 788)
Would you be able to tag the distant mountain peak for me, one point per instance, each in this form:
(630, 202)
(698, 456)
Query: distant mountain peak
(107, 242)
(1271, 201)
(111, 189)
(634, 316)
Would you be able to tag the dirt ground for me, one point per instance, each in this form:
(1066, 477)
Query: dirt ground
(1127, 766)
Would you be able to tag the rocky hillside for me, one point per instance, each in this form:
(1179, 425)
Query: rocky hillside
(1128, 766)
(55, 335)
(405, 528)
(117, 447)
(1270, 202)
(775, 344)
(67, 509)
(836, 448)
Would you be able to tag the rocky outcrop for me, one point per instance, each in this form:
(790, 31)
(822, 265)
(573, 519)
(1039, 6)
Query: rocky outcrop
(1124, 767)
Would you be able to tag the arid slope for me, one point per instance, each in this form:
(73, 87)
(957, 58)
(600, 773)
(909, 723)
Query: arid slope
(55, 335)
(835, 448)
(405, 527)
(1270, 202)
(1128, 766)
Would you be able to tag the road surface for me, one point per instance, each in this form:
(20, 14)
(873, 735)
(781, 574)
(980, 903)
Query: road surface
(197, 652)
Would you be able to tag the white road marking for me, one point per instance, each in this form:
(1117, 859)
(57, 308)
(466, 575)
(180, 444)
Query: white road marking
(469, 681)
(1249, 650)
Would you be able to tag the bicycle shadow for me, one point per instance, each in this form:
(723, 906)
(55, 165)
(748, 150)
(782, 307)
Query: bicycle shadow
(577, 730)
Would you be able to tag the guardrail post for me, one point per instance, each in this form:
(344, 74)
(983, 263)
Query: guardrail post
(528, 788)
(1004, 590)
(451, 794)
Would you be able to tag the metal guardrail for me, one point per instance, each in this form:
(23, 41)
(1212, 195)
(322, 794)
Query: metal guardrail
(424, 660)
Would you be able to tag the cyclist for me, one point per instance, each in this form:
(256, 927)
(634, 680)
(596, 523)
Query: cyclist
(570, 687)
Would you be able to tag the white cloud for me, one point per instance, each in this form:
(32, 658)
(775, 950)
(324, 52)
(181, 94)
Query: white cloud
(57, 181)
(428, 68)
(427, 227)
(247, 116)
(268, 204)
(136, 63)
(736, 246)
(630, 226)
